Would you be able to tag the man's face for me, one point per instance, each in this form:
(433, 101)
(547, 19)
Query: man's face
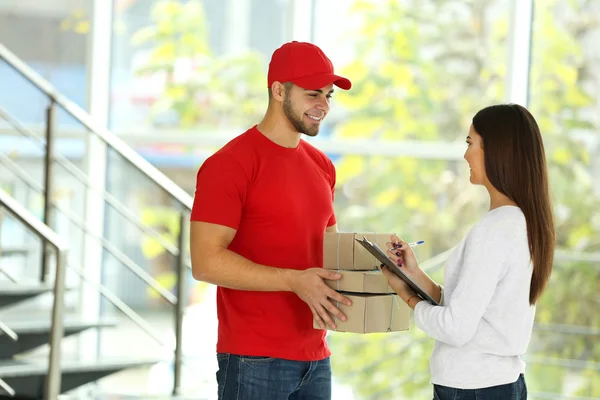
(305, 109)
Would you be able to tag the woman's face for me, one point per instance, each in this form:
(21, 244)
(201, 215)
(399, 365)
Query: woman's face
(475, 157)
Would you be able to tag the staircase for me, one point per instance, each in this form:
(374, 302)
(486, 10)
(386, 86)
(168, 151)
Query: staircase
(50, 344)
(27, 377)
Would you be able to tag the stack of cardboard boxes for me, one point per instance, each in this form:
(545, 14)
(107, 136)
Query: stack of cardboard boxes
(375, 307)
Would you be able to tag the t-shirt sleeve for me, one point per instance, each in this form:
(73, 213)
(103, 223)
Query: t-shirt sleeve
(221, 187)
(332, 220)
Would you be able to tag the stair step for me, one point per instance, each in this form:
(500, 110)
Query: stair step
(36, 333)
(10, 251)
(121, 396)
(9, 288)
(6, 275)
(27, 376)
(11, 293)
(43, 326)
(39, 365)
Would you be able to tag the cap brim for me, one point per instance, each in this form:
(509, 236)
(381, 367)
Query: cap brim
(316, 82)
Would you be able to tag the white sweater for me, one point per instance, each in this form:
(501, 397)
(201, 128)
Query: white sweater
(485, 321)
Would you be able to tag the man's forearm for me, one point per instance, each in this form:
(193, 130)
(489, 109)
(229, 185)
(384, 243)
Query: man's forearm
(228, 269)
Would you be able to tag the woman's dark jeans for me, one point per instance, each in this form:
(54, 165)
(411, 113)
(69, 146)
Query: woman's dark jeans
(511, 391)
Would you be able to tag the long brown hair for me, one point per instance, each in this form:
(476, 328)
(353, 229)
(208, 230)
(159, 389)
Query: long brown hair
(515, 163)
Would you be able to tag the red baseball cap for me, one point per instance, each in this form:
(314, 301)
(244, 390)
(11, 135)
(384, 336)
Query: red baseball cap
(305, 65)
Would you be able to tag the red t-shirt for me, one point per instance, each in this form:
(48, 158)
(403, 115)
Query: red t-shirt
(280, 201)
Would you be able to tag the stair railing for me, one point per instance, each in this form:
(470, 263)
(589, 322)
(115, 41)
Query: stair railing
(50, 239)
(6, 387)
(182, 198)
(103, 290)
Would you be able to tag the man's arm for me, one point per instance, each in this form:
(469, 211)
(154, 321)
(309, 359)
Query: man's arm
(332, 228)
(212, 262)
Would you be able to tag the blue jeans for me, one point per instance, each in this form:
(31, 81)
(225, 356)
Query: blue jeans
(511, 391)
(266, 378)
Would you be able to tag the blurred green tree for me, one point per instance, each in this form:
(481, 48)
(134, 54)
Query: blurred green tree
(201, 88)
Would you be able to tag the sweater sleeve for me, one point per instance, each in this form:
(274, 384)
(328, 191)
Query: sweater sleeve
(484, 263)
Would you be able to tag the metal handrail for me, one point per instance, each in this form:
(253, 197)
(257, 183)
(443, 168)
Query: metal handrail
(180, 309)
(432, 264)
(106, 245)
(25, 217)
(562, 362)
(138, 162)
(104, 134)
(110, 296)
(6, 387)
(49, 237)
(570, 255)
(179, 195)
(81, 177)
(119, 255)
(120, 304)
(20, 173)
(9, 332)
(566, 329)
(8, 275)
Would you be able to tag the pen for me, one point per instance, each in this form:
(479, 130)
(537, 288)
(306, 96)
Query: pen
(413, 244)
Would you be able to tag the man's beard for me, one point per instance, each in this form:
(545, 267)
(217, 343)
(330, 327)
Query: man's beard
(296, 121)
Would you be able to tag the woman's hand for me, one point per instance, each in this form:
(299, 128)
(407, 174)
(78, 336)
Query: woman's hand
(402, 255)
(400, 287)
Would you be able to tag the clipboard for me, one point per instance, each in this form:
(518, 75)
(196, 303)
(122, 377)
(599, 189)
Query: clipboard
(385, 260)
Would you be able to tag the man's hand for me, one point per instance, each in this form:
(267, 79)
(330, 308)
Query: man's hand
(309, 286)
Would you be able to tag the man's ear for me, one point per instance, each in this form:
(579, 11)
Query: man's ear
(277, 91)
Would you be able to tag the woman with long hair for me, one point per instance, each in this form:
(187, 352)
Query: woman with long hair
(498, 271)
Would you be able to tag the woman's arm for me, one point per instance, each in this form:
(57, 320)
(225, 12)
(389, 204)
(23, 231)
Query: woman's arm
(483, 265)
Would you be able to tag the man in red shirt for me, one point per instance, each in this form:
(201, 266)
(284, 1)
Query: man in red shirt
(262, 205)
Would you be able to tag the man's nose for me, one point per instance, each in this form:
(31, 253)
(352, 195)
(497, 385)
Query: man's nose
(323, 104)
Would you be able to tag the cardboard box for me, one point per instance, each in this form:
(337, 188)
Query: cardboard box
(361, 282)
(341, 251)
(372, 314)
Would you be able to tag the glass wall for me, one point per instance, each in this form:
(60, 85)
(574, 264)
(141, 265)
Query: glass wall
(565, 82)
(52, 38)
(176, 67)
